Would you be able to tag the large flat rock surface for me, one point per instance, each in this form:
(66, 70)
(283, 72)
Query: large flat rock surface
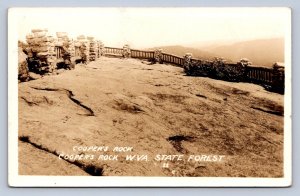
(156, 110)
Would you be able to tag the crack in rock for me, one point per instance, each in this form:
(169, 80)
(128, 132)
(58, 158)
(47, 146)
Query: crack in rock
(30, 103)
(88, 168)
(202, 96)
(37, 101)
(70, 95)
(275, 112)
(46, 89)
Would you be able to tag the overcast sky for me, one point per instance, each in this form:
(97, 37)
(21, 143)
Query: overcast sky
(148, 27)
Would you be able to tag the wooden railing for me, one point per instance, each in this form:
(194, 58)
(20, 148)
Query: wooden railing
(142, 54)
(113, 51)
(58, 52)
(260, 74)
(145, 54)
(252, 74)
(170, 58)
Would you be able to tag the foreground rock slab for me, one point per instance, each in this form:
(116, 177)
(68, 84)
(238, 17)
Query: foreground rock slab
(147, 111)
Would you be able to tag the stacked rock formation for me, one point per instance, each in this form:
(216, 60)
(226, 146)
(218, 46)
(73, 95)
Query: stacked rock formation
(187, 65)
(40, 51)
(92, 49)
(126, 51)
(100, 48)
(76, 52)
(84, 48)
(72, 48)
(278, 77)
(158, 56)
(64, 43)
(23, 72)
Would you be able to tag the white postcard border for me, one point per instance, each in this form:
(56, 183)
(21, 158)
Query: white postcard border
(16, 180)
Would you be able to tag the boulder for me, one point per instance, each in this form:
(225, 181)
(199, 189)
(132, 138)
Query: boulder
(34, 76)
(23, 73)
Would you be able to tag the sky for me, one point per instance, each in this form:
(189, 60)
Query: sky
(151, 27)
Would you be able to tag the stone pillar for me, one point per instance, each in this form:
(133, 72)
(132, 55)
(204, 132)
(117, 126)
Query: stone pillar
(126, 51)
(65, 42)
(278, 78)
(187, 65)
(72, 48)
(97, 49)
(41, 49)
(92, 48)
(243, 68)
(158, 56)
(100, 48)
(84, 48)
(23, 72)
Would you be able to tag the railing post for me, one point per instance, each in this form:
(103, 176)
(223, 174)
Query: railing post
(158, 56)
(244, 69)
(126, 53)
(102, 49)
(92, 48)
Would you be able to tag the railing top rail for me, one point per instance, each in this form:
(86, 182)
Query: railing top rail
(260, 67)
(194, 59)
(172, 55)
(113, 48)
(142, 50)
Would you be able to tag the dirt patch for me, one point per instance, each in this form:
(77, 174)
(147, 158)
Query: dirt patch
(168, 97)
(230, 144)
(176, 141)
(125, 105)
(239, 92)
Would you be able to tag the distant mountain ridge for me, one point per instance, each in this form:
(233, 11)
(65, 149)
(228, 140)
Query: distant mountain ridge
(261, 52)
(181, 51)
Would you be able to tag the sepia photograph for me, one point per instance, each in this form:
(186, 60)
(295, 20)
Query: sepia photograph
(149, 96)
